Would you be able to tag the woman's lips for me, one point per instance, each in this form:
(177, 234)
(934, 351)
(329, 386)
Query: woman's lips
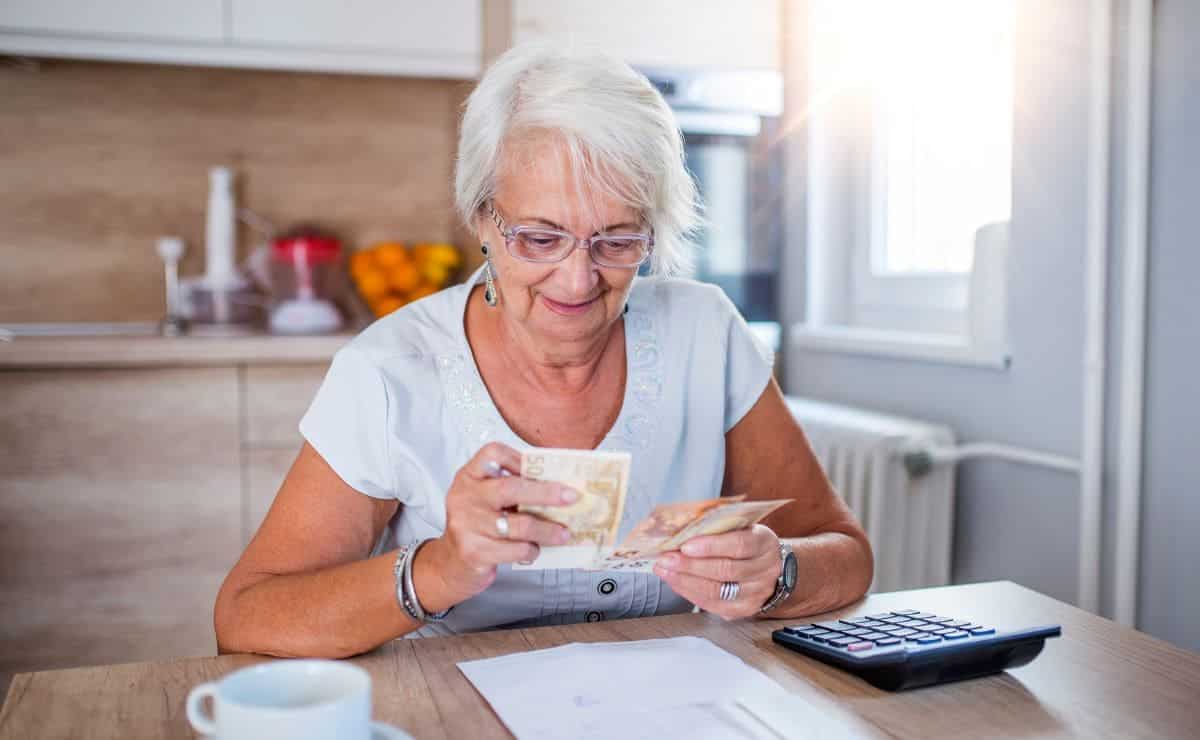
(568, 309)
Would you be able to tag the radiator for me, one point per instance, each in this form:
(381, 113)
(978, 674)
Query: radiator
(908, 519)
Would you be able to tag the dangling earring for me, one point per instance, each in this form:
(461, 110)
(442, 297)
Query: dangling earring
(489, 287)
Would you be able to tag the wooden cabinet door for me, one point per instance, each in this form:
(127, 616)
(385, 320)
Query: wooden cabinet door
(677, 33)
(120, 513)
(148, 20)
(275, 397)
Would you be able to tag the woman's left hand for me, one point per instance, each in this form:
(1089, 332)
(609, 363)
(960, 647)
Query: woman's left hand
(748, 557)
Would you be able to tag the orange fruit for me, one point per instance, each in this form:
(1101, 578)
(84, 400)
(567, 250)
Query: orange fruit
(403, 277)
(435, 273)
(390, 254)
(372, 283)
(445, 254)
(361, 261)
(387, 304)
(421, 291)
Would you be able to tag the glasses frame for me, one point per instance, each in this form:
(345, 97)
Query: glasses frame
(510, 234)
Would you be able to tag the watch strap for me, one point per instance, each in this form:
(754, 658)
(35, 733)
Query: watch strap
(782, 591)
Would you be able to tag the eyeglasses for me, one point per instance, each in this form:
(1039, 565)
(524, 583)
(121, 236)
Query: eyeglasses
(540, 244)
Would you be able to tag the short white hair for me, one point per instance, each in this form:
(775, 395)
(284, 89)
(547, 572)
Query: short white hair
(619, 133)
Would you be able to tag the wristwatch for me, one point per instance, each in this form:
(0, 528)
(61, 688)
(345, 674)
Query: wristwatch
(787, 578)
(406, 594)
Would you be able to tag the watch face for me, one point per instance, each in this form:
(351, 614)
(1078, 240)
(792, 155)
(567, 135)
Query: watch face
(789, 572)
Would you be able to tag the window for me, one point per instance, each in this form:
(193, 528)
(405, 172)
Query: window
(910, 168)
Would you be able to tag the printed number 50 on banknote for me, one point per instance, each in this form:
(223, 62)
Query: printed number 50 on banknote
(602, 480)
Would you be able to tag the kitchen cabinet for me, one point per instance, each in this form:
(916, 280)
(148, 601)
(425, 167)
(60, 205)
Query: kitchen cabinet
(411, 38)
(674, 33)
(183, 20)
(126, 494)
(120, 513)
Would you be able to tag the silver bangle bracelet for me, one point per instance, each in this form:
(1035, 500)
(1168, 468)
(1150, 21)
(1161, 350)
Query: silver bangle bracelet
(406, 592)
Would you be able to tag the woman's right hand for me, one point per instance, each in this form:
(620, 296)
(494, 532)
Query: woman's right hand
(464, 559)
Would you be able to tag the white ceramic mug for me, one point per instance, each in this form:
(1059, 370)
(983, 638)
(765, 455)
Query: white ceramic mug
(294, 699)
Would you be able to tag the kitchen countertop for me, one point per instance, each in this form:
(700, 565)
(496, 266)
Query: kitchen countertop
(31, 352)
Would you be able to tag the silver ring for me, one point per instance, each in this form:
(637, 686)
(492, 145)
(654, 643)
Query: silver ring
(729, 590)
(502, 525)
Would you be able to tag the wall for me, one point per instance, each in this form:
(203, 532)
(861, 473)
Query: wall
(1019, 523)
(100, 159)
(1169, 604)
(1011, 522)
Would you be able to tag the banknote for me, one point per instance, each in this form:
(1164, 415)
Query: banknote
(601, 479)
(671, 525)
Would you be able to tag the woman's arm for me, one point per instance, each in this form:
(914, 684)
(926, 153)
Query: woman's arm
(302, 587)
(768, 457)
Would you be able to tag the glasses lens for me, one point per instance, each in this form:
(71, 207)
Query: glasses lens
(540, 246)
(620, 251)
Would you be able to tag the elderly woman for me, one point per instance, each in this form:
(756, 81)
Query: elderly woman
(571, 174)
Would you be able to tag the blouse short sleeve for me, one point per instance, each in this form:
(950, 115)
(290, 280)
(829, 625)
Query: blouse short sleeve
(749, 365)
(347, 424)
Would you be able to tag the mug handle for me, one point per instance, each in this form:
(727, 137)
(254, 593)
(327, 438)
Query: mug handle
(201, 722)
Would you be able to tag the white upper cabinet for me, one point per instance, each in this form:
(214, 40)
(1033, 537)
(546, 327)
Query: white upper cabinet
(442, 36)
(400, 37)
(674, 33)
(192, 20)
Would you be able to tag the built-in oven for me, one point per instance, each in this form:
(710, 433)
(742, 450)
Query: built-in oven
(730, 121)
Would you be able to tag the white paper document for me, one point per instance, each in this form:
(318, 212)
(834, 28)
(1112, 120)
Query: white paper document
(674, 687)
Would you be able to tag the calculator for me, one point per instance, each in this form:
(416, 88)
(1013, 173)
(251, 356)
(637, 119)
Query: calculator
(909, 648)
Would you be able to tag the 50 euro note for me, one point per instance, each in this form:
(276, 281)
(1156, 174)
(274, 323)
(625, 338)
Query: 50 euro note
(671, 525)
(602, 480)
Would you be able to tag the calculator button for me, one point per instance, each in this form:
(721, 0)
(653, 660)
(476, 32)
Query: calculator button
(890, 628)
(858, 632)
(875, 624)
(874, 636)
(832, 626)
(913, 623)
(940, 620)
(843, 641)
(955, 635)
(959, 623)
(928, 639)
(803, 628)
(894, 620)
(856, 622)
(904, 633)
(860, 646)
(924, 615)
(888, 641)
(945, 631)
(906, 612)
(983, 631)
(885, 615)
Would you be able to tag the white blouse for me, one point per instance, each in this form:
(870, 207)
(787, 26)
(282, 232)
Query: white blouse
(403, 407)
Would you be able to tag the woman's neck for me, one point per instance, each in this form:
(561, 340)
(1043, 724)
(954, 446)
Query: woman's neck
(565, 369)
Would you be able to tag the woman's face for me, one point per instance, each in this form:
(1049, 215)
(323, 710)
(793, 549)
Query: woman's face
(575, 300)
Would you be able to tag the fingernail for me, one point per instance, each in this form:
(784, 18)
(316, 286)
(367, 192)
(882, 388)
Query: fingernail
(691, 549)
(569, 496)
(562, 536)
(669, 561)
(661, 572)
(492, 468)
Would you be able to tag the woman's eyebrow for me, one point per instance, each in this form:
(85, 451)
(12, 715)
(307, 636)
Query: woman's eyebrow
(631, 225)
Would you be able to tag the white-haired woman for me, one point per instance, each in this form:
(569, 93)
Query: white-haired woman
(396, 517)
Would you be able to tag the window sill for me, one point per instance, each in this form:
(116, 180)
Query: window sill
(936, 348)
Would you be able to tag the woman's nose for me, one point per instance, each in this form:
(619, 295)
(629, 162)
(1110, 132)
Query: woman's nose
(580, 272)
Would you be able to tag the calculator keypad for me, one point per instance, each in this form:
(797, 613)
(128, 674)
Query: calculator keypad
(909, 626)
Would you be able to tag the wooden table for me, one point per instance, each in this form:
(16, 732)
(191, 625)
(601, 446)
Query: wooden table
(1097, 680)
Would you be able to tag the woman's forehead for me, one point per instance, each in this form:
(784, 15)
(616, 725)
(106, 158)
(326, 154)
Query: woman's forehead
(538, 181)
